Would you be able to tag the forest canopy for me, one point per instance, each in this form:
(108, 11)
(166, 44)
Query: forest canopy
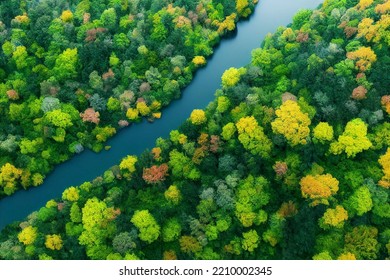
(72, 73)
(290, 161)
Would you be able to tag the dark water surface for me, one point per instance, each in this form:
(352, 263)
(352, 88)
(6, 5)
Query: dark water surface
(232, 52)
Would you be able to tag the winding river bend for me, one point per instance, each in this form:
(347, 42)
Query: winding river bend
(232, 52)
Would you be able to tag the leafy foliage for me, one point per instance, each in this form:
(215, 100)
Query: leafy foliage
(242, 179)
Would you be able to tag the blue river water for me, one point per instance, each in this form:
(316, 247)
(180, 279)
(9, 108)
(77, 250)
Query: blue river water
(234, 51)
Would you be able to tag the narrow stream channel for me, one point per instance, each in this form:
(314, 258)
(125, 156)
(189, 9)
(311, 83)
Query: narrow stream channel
(234, 51)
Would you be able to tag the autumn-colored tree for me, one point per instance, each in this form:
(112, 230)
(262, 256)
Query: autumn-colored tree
(385, 101)
(363, 4)
(142, 108)
(362, 242)
(155, 174)
(169, 255)
(156, 152)
(67, 16)
(23, 19)
(288, 209)
(28, 235)
(9, 175)
(280, 168)
(53, 242)
(334, 217)
(173, 194)
(148, 228)
(323, 132)
(189, 244)
(71, 194)
(132, 114)
(383, 8)
(12, 94)
(347, 256)
(367, 30)
(319, 188)
(215, 143)
(242, 7)
(364, 57)
(292, 123)
(127, 166)
(199, 60)
(90, 115)
(359, 93)
(384, 161)
(229, 24)
(198, 117)
(231, 77)
(353, 140)
(252, 137)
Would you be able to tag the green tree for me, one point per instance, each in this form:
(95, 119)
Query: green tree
(250, 240)
(149, 230)
(66, 65)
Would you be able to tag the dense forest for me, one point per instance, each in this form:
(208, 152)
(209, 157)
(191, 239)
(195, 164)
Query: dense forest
(290, 161)
(74, 72)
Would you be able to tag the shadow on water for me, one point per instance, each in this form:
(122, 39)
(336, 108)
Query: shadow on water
(234, 51)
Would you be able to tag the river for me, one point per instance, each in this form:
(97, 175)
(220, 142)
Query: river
(234, 51)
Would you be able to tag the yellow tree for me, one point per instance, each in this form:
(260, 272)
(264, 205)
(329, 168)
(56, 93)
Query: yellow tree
(242, 7)
(347, 256)
(71, 194)
(319, 188)
(143, 109)
(353, 140)
(173, 194)
(67, 16)
(198, 117)
(383, 8)
(252, 137)
(132, 114)
(232, 76)
(189, 244)
(323, 132)
(363, 4)
(364, 57)
(292, 123)
(28, 235)
(53, 242)
(8, 176)
(127, 166)
(199, 60)
(385, 162)
(366, 29)
(334, 217)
